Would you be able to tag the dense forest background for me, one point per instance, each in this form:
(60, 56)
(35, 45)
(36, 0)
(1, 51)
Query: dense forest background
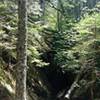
(63, 49)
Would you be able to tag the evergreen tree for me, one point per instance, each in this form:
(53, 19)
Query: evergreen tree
(21, 51)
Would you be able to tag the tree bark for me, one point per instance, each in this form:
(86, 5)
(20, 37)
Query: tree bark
(21, 69)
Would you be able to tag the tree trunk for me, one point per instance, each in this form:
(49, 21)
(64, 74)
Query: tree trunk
(21, 69)
(42, 6)
(59, 17)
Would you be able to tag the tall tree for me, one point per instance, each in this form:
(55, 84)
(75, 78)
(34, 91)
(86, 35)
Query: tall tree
(59, 16)
(21, 70)
(42, 6)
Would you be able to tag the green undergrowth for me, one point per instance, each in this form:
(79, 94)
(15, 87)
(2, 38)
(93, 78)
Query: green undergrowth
(7, 83)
